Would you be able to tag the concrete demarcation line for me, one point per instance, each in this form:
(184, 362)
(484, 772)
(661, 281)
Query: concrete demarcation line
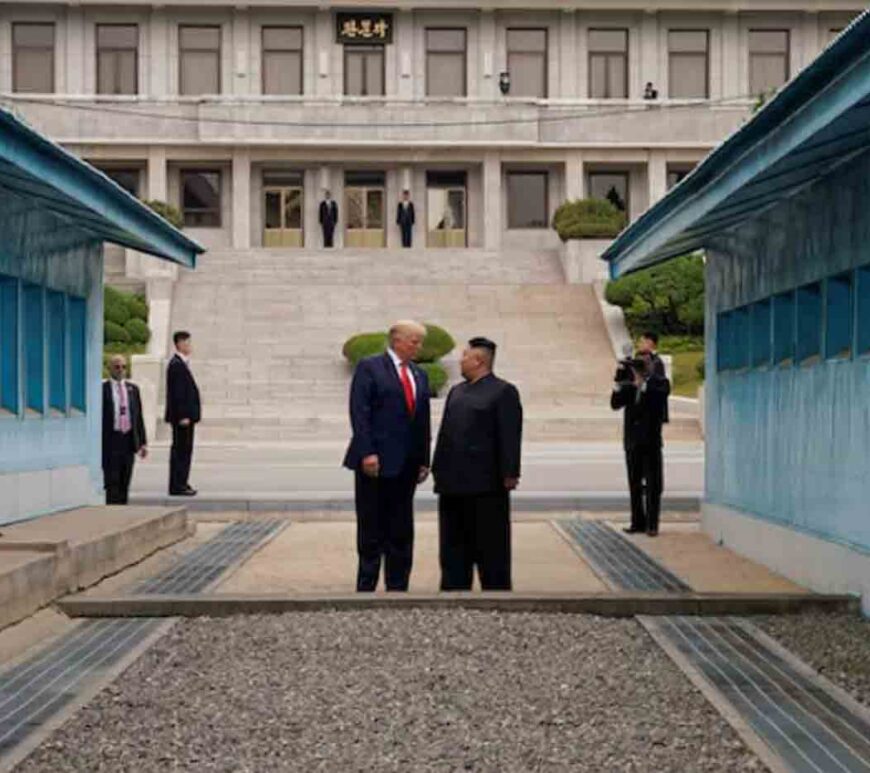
(611, 604)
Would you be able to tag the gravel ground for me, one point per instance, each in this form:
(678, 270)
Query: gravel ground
(836, 645)
(399, 691)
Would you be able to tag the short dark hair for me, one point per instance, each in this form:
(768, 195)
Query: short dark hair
(650, 336)
(180, 335)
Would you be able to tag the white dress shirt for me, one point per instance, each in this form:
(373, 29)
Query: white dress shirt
(116, 402)
(398, 363)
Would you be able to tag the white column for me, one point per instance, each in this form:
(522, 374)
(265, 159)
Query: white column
(158, 46)
(492, 201)
(649, 69)
(324, 34)
(489, 66)
(241, 198)
(810, 44)
(72, 80)
(733, 85)
(158, 188)
(405, 181)
(575, 183)
(404, 42)
(569, 53)
(241, 51)
(657, 176)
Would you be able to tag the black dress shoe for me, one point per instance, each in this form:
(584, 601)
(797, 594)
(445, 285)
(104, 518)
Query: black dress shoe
(652, 532)
(189, 492)
(632, 530)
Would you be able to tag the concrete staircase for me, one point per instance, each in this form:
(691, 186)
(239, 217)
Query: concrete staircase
(268, 328)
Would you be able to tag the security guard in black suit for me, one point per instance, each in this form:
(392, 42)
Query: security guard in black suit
(641, 389)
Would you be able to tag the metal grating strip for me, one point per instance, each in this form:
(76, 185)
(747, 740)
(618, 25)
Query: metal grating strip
(809, 730)
(35, 690)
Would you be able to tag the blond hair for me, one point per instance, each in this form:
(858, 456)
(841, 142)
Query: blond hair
(406, 327)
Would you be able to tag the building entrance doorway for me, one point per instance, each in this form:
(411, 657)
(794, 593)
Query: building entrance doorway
(445, 209)
(364, 200)
(283, 208)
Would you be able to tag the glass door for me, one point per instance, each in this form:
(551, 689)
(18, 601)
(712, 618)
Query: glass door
(446, 211)
(364, 200)
(283, 209)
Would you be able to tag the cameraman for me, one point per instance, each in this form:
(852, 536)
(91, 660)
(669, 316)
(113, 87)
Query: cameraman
(642, 389)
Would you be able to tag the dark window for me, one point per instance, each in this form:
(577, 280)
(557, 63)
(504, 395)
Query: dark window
(809, 322)
(676, 174)
(723, 340)
(199, 60)
(783, 328)
(768, 60)
(611, 186)
(838, 316)
(608, 64)
(527, 62)
(761, 334)
(78, 316)
(34, 347)
(128, 179)
(56, 351)
(862, 301)
(445, 63)
(688, 64)
(8, 344)
(527, 199)
(364, 71)
(741, 338)
(201, 198)
(33, 58)
(833, 33)
(282, 60)
(117, 58)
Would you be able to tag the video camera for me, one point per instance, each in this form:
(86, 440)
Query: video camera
(628, 366)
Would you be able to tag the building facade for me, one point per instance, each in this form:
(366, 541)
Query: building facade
(490, 115)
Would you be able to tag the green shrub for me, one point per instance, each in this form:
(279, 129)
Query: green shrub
(438, 343)
(437, 376)
(588, 219)
(672, 344)
(119, 347)
(668, 298)
(117, 312)
(364, 345)
(115, 333)
(701, 368)
(167, 212)
(138, 308)
(138, 330)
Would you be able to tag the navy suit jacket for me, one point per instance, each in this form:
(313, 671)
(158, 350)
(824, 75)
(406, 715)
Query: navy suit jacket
(380, 421)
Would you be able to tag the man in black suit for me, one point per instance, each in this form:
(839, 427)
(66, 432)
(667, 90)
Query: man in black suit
(641, 389)
(183, 411)
(405, 218)
(476, 466)
(389, 454)
(328, 218)
(123, 432)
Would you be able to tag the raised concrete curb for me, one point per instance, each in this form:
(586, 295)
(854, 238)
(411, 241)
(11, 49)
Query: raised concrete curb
(604, 604)
(424, 501)
(43, 559)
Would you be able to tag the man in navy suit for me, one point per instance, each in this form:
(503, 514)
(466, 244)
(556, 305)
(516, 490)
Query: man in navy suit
(405, 218)
(183, 412)
(389, 454)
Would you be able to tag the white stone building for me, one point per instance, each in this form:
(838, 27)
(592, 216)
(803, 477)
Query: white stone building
(242, 114)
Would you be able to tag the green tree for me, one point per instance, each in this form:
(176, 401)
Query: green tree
(668, 298)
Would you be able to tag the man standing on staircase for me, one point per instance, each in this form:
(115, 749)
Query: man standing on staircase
(183, 412)
(389, 454)
(328, 218)
(405, 218)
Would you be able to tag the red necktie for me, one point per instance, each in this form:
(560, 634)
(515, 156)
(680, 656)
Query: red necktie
(409, 389)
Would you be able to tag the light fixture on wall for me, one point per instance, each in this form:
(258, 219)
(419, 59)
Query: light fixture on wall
(504, 82)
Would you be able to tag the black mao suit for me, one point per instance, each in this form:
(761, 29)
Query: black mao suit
(120, 448)
(646, 409)
(382, 425)
(478, 447)
(182, 402)
(405, 220)
(328, 217)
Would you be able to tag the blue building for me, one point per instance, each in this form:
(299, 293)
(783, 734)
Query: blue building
(782, 211)
(55, 214)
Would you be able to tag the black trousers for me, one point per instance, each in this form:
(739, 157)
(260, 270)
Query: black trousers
(407, 234)
(385, 529)
(474, 531)
(118, 469)
(645, 481)
(180, 457)
(328, 234)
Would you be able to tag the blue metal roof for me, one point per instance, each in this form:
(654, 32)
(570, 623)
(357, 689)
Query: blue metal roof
(34, 167)
(818, 121)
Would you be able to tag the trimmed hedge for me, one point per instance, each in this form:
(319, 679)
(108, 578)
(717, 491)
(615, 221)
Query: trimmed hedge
(167, 212)
(438, 343)
(588, 219)
(114, 333)
(138, 308)
(437, 376)
(364, 345)
(138, 330)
